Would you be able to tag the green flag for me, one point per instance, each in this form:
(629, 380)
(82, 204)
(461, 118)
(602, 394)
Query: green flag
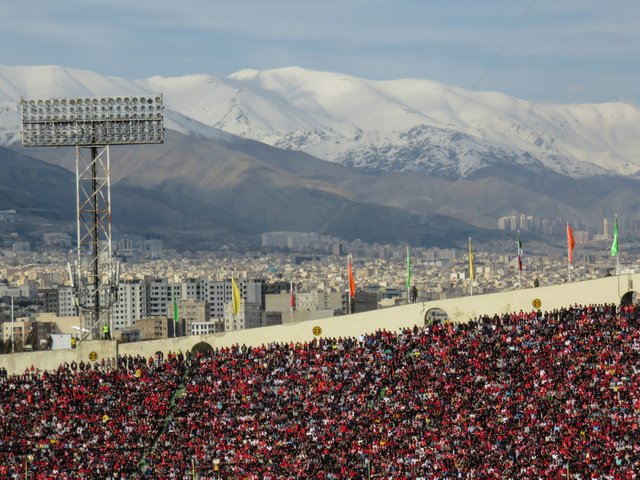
(176, 313)
(471, 275)
(408, 284)
(614, 245)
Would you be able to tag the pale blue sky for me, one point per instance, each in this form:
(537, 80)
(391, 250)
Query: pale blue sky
(541, 50)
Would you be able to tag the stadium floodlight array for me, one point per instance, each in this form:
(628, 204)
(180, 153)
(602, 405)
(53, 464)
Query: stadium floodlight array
(92, 121)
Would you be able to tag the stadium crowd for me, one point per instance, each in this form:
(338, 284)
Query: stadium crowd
(516, 396)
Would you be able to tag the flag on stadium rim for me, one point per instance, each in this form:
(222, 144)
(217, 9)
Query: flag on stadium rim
(570, 243)
(519, 252)
(292, 300)
(471, 275)
(352, 282)
(408, 283)
(176, 314)
(235, 297)
(614, 245)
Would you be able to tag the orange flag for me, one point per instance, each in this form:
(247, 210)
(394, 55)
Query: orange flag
(570, 243)
(352, 282)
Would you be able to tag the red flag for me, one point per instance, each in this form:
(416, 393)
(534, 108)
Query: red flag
(570, 243)
(352, 282)
(293, 298)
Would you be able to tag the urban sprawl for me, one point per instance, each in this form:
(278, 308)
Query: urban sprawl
(163, 293)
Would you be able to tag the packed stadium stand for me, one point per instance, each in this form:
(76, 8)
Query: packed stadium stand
(521, 395)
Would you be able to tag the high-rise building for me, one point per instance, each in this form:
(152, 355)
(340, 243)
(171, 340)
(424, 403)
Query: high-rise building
(66, 302)
(219, 293)
(131, 305)
(251, 315)
(158, 296)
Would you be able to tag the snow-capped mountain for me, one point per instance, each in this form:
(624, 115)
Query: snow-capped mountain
(407, 125)
(380, 126)
(488, 155)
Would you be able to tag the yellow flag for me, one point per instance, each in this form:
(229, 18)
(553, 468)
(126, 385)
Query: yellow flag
(235, 297)
(471, 260)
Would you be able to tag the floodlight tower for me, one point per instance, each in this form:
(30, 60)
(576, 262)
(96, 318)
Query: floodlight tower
(91, 125)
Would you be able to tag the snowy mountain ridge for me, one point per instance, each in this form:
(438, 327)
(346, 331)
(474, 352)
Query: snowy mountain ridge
(378, 126)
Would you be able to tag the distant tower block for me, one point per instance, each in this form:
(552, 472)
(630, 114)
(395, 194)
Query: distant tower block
(605, 227)
(92, 125)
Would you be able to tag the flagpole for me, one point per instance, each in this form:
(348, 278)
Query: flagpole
(568, 254)
(13, 329)
(519, 263)
(471, 276)
(175, 306)
(616, 246)
(291, 298)
(408, 284)
(349, 284)
(235, 299)
(352, 284)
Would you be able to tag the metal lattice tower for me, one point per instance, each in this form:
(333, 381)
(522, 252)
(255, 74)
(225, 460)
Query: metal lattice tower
(91, 125)
(96, 278)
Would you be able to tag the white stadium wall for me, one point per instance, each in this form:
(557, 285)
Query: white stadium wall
(604, 290)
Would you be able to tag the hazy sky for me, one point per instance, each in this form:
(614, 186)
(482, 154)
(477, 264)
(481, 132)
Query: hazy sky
(542, 50)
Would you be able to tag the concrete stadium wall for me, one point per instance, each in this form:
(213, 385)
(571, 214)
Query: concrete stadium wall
(51, 359)
(604, 290)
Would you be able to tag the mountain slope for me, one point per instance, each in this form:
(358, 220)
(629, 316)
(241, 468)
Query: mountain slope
(241, 193)
(378, 126)
(414, 125)
(34, 187)
(420, 165)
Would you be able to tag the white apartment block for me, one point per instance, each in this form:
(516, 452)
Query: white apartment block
(66, 302)
(205, 328)
(219, 293)
(192, 289)
(157, 296)
(131, 305)
(153, 297)
(251, 315)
